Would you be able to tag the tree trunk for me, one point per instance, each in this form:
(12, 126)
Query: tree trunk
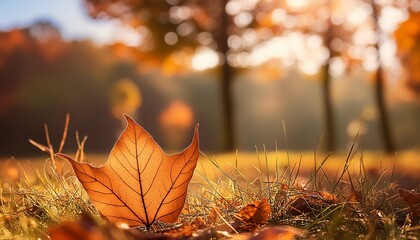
(328, 106)
(383, 117)
(384, 125)
(329, 112)
(227, 73)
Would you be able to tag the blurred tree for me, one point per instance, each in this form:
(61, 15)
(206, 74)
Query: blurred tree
(341, 36)
(328, 106)
(312, 20)
(244, 33)
(357, 45)
(170, 26)
(42, 77)
(387, 138)
(407, 37)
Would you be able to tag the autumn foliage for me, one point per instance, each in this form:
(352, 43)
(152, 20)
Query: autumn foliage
(407, 38)
(139, 184)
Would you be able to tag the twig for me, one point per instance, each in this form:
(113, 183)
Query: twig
(66, 128)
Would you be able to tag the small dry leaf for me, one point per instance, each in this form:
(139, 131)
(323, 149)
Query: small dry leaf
(257, 213)
(186, 230)
(354, 196)
(140, 183)
(213, 216)
(284, 186)
(181, 232)
(412, 198)
(199, 223)
(300, 205)
(328, 197)
(84, 228)
(87, 228)
(281, 232)
(299, 186)
(308, 202)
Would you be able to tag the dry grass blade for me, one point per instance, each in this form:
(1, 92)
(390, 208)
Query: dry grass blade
(65, 130)
(347, 163)
(49, 148)
(80, 154)
(40, 146)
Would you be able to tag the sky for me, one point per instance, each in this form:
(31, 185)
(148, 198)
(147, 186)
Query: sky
(69, 15)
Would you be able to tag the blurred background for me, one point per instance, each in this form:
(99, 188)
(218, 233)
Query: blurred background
(327, 69)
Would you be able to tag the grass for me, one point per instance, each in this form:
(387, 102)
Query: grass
(352, 196)
(352, 203)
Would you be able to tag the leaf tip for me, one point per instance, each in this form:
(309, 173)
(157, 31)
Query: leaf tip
(128, 118)
(195, 136)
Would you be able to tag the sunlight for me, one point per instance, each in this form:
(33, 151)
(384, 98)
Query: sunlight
(337, 66)
(388, 53)
(391, 18)
(178, 14)
(309, 67)
(171, 38)
(278, 16)
(129, 36)
(204, 58)
(177, 114)
(297, 4)
(356, 127)
(243, 19)
(233, 7)
(358, 15)
(125, 98)
(306, 50)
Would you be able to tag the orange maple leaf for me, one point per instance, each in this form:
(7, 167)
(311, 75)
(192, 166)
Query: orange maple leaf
(257, 212)
(140, 183)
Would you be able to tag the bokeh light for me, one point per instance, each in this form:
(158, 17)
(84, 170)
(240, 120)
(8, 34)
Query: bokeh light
(125, 98)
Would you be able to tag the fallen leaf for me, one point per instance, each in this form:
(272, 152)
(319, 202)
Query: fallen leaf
(84, 228)
(186, 229)
(310, 202)
(181, 232)
(213, 216)
(328, 197)
(87, 228)
(353, 196)
(199, 223)
(412, 198)
(280, 232)
(140, 183)
(257, 213)
(301, 205)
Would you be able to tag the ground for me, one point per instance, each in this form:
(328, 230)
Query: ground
(313, 195)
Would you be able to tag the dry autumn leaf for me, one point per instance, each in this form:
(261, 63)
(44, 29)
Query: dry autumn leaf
(257, 212)
(88, 229)
(412, 198)
(309, 202)
(328, 197)
(213, 216)
(140, 183)
(283, 232)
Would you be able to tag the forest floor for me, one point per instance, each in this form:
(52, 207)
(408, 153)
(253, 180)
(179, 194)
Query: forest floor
(260, 195)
